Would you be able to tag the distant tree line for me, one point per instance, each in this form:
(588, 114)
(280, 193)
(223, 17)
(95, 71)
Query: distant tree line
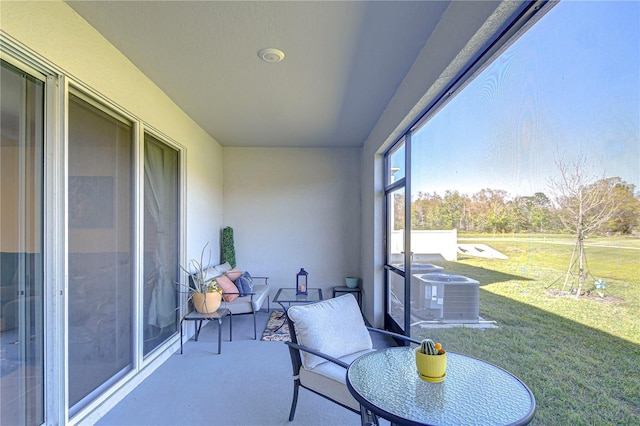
(495, 210)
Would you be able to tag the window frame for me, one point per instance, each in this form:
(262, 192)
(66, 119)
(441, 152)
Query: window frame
(58, 85)
(523, 18)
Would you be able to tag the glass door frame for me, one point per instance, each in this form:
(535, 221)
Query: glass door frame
(57, 86)
(392, 186)
(52, 291)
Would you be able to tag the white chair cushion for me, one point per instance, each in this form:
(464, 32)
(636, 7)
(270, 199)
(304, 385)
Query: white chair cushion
(334, 327)
(242, 305)
(262, 291)
(331, 379)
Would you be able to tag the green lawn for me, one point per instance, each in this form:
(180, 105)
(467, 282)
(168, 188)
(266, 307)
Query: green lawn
(580, 357)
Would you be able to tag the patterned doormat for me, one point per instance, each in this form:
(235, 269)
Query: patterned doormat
(277, 329)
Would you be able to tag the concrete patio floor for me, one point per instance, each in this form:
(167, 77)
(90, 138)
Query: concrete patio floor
(249, 383)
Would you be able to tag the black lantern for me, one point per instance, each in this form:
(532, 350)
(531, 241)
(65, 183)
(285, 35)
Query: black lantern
(301, 282)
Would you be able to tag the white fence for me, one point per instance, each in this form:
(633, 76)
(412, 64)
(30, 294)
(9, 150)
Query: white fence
(426, 245)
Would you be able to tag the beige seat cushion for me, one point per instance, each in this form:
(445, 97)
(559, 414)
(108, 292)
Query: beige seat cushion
(242, 305)
(331, 379)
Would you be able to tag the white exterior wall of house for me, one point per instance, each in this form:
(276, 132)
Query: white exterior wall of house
(427, 244)
(56, 38)
(372, 233)
(294, 208)
(61, 37)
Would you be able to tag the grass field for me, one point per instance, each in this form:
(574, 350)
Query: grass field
(580, 357)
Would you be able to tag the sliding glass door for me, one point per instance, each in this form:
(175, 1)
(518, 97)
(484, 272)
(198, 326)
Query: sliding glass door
(161, 242)
(21, 253)
(101, 233)
(101, 192)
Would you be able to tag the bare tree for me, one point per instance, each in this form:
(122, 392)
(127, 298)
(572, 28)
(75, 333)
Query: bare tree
(583, 205)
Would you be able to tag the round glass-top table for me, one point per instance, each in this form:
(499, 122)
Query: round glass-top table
(474, 391)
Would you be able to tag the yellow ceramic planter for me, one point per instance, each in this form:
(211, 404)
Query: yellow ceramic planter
(431, 368)
(207, 303)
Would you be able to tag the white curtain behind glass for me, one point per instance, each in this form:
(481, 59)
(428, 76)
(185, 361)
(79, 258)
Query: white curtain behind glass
(161, 168)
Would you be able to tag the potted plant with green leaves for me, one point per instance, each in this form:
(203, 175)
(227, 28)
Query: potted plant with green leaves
(228, 252)
(203, 289)
(431, 361)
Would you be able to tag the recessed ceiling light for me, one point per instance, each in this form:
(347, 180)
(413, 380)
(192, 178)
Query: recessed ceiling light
(270, 54)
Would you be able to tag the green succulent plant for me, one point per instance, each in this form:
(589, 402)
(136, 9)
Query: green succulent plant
(428, 347)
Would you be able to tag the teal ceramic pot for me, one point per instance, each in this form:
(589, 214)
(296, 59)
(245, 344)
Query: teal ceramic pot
(352, 282)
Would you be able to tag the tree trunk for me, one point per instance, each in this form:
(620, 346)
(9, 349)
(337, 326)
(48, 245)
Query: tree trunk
(571, 263)
(581, 278)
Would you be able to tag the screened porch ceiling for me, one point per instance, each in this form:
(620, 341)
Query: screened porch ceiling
(345, 62)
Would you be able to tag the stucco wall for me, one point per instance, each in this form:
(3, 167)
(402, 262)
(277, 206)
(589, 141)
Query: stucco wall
(53, 39)
(425, 244)
(62, 39)
(294, 208)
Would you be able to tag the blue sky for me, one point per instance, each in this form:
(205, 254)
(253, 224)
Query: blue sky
(569, 87)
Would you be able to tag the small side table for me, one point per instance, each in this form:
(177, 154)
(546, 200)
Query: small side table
(198, 318)
(289, 296)
(357, 292)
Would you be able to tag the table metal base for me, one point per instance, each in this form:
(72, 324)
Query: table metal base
(215, 316)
